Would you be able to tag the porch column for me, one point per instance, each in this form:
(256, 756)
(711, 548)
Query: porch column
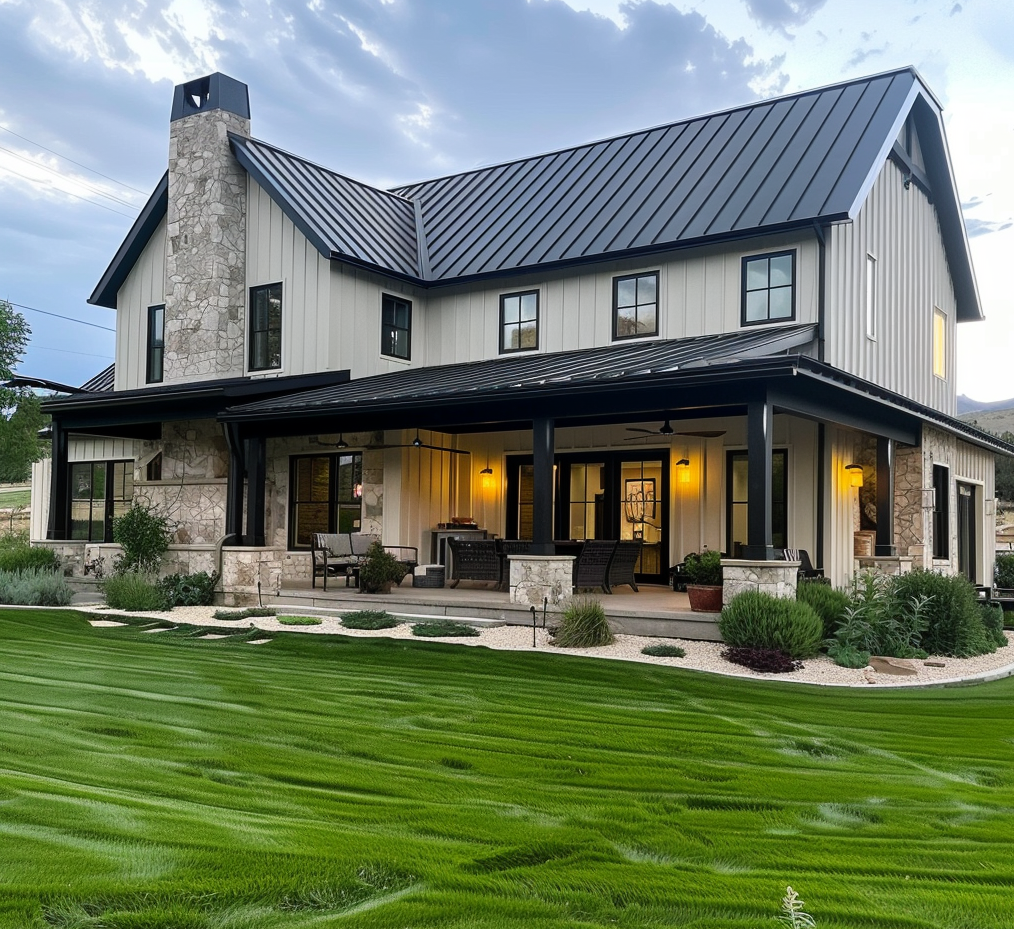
(544, 451)
(885, 496)
(234, 487)
(758, 507)
(59, 486)
(255, 475)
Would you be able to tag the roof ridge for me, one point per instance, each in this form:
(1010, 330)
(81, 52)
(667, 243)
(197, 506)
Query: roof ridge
(678, 122)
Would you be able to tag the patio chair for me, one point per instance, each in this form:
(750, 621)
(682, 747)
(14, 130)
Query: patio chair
(621, 565)
(473, 560)
(331, 553)
(806, 568)
(591, 569)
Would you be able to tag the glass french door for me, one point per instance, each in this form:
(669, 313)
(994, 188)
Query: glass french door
(966, 531)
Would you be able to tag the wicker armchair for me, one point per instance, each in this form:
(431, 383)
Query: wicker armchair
(621, 566)
(473, 560)
(591, 569)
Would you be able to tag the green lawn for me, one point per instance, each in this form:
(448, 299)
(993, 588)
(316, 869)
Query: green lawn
(14, 498)
(155, 780)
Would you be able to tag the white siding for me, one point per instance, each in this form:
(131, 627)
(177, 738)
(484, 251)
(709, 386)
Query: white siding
(143, 287)
(899, 228)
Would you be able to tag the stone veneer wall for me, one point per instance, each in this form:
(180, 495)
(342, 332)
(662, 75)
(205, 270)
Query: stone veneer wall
(205, 306)
(777, 578)
(913, 506)
(537, 577)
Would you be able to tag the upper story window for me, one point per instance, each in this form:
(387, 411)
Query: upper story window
(156, 344)
(769, 290)
(635, 305)
(939, 343)
(871, 297)
(519, 321)
(396, 327)
(265, 327)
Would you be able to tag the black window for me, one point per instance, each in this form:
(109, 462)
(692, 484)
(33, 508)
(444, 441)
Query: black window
(325, 495)
(941, 512)
(737, 484)
(396, 327)
(769, 291)
(156, 343)
(100, 491)
(265, 327)
(519, 321)
(635, 305)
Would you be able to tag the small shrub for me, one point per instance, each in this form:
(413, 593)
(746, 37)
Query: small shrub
(847, 656)
(23, 557)
(190, 589)
(369, 619)
(757, 620)
(260, 611)
(444, 628)
(664, 651)
(827, 602)
(992, 620)
(134, 592)
(299, 620)
(1003, 570)
(144, 534)
(379, 571)
(34, 587)
(883, 619)
(953, 619)
(704, 569)
(583, 625)
(765, 660)
(229, 615)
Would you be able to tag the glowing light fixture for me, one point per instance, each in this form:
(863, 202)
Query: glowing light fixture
(683, 471)
(486, 474)
(855, 473)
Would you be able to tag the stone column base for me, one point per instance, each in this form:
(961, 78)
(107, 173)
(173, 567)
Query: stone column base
(243, 567)
(777, 578)
(538, 577)
(886, 564)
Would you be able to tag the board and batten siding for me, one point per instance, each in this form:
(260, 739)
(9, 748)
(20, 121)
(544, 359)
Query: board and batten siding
(899, 228)
(700, 293)
(144, 287)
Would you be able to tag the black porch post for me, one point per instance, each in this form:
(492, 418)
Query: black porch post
(59, 486)
(255, 476)
(758, 506)
(885, 496)
(544, 451)
(234, 487)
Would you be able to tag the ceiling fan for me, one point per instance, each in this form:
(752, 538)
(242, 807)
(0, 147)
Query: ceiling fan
(417, 442)
(667, 429)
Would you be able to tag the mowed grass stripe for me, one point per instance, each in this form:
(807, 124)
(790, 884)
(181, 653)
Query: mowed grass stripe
(397, 782)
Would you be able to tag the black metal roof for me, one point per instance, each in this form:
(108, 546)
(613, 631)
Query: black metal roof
(101, 382)
(512, 374)
(766, 167)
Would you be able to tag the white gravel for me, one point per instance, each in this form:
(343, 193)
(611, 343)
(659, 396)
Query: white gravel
(700, 656)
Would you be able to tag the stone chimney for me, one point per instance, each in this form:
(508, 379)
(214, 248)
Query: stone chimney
(205, 306)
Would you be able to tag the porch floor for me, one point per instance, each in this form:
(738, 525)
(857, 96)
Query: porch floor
(654, 610)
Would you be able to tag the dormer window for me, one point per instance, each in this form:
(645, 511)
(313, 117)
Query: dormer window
(769, 288)
(635, 306)
(265, 327)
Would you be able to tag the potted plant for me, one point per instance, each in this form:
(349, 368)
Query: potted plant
(379, 571)
(704, 581)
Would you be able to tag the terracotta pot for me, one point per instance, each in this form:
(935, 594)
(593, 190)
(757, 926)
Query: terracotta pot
(705, 599)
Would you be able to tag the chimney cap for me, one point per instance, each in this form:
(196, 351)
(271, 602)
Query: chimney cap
(214, 92)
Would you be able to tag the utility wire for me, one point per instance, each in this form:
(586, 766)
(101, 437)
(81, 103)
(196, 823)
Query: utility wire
(96, 190)
(72, 161)
(82, 322)
(69, 194)
(67, 351)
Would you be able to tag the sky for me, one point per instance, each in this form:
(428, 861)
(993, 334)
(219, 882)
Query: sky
(395, 91)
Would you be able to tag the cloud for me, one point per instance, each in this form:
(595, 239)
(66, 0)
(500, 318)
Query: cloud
(862, 54)
(978, 227)
(783, 14)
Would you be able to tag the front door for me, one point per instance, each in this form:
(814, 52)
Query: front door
(966, 531)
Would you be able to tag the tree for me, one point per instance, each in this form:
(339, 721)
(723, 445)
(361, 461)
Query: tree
(20, 444)
(14, 333)
(1005, 472)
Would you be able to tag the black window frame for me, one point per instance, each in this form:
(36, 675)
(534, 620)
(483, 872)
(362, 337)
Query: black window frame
(335, 502)
(389, 329)
(616, 304)
(155, 355)
(768, 320)
(779, 497)
(519, 294)
(941, 511)
(109, 503)
(260, 338)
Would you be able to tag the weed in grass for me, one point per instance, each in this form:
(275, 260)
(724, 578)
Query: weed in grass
(444, 628)
(792, 914)
(664, 651)
(369, 619)
(299, 620)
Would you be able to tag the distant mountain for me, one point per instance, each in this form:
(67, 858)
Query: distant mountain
(968, 405)
(997, 421)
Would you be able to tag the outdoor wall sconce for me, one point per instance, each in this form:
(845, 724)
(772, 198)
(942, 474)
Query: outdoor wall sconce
(486, 475)
(683, 471)
(855, 473)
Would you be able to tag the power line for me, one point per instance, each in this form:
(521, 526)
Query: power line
(67, 351)
(69, 194)
(37, 164)
(72, 161)
(82, 322)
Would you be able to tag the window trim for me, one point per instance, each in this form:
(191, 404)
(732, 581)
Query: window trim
(251, 361)
(658, 302)
(939, 348)
(408, 330)
(871, 297)
(768, 321)
(333, 503)
(154, 347)
(504, 349)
